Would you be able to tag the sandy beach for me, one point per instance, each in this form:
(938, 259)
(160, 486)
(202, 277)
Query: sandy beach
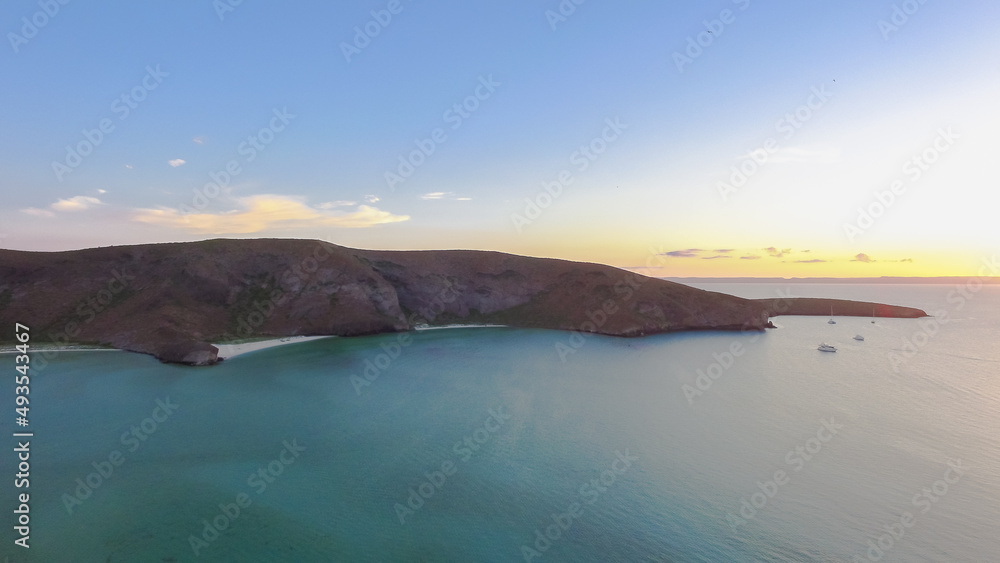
(456, 326)
(231, 350)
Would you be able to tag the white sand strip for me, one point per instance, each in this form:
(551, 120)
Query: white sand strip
(227, 351)
(442, 327)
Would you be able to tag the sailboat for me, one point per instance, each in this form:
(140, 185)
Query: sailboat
(873, 315)
(831, 321)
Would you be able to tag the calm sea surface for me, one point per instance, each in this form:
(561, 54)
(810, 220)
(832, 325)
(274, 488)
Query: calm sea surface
(498, 444)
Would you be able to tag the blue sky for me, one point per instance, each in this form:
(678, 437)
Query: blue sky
(885, 95)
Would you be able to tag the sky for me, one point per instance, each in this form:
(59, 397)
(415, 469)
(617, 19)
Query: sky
(846, 138)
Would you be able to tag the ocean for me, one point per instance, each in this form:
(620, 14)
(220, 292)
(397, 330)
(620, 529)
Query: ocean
(505, 445)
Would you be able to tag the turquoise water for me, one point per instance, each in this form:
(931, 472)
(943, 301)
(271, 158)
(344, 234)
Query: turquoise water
(542, 434)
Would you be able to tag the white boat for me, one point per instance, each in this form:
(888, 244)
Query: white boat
(826, 348)
(859, 338)
(831, 321)
(873, 315)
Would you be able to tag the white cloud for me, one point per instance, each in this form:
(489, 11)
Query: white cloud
(372, 198)
(266, 212)
(177, 162)
(73, 204)
(129, 166)
(78, 203)
(336, 204)
(199, 140)
(444, 195)
(102, 192)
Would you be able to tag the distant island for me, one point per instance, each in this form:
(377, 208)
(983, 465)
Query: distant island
(174, 300)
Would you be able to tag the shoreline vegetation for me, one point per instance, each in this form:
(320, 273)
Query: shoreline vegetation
(174, 300)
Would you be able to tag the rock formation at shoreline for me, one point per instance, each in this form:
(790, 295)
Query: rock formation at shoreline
(172, 300)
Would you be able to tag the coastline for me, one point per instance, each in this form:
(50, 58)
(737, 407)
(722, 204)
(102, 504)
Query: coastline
(229, 350)
(36, 348)
(443, 327)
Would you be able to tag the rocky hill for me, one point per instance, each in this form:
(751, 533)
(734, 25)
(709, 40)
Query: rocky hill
(173, 300)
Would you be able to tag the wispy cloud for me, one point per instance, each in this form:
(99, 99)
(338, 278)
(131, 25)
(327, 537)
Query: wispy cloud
(78, 203)
(336, 204)
(777, 253)
(199, 140)
(266, 212)
(372, 198)
(73, 204)
(444, 195)
(689, 253)
(786, 255)
(177, 162)
(862, 257)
